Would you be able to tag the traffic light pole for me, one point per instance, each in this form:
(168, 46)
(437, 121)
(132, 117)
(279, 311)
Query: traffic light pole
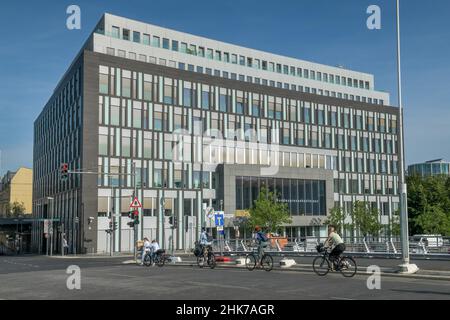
(173, 233)
(135, 226)
(112, 218)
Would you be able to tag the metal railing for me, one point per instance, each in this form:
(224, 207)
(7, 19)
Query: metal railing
(356, 245)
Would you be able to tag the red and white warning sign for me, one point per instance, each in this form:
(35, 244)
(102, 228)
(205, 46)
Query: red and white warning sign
(135, 203)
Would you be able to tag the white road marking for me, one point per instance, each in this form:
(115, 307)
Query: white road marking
(340, 298)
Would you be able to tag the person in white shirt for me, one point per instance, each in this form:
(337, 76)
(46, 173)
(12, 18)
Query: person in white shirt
(154, 247)
(145, 249)
(335, 243)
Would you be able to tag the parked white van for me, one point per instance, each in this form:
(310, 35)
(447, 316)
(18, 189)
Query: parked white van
(430, 240)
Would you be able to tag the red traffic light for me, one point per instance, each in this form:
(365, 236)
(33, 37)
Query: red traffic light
(136, 213)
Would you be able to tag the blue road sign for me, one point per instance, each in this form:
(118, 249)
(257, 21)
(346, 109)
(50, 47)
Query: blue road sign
(219, 219)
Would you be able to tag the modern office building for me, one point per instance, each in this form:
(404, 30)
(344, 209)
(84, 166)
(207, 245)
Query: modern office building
(16, 187)
(206, 124)
(430, 168)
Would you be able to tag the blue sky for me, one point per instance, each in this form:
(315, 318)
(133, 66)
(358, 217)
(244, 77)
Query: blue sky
(36, 48)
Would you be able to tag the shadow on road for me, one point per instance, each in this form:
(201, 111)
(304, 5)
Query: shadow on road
(422, 291)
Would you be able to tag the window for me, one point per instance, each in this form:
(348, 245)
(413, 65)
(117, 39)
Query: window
(103, 145)
(158, 121)
(146, 39)
(264, 65)
(205, 99)
(137, 118)
(256, 105)
(126, 146)
(240, 103)
(103, 83)
(148, 85)
(174, 45)
(201, 51)
(209, 54)
(187, 97)
(156, 42)
(196, 179)
(306, 73)
(166, 43)
(223, 102)
(115, 114)
(177, 179)
(242, 60)
(168, 94)
(136, 37)
(115, 32)
(218, 55)
(125, 34)
(205, 180)
(126, 86)
(157, 178)
(234, 58)
(226, 57)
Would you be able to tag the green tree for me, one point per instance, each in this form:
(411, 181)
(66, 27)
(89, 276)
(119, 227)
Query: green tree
(394, 224)
(434, 221)
(428, 202)
(366, 219)
(15, 209)
(337, 218)
(268, 212)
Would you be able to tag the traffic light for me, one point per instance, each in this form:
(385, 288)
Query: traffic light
(131, 224)
(136, 217)
(115, 226)
(173, 222)
(64, 171)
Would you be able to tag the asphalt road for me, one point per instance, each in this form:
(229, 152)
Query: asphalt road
(108, 278)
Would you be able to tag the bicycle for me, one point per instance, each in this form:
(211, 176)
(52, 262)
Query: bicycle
(322, 264)
(207, 257)
(251, 259)
(159, 258)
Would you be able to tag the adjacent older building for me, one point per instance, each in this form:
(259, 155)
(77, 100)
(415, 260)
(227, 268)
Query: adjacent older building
(16, 187)
(206, 124)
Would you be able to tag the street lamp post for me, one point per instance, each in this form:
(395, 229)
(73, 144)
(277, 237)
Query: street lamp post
(406, 266)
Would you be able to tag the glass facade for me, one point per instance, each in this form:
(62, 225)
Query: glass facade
(251, 62)
(430, 168)
(303, 197)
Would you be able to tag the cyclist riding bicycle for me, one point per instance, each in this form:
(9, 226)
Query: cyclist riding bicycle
(154, 247)
(145, 249)
(205, 241)
(335, 242)
(261, 240)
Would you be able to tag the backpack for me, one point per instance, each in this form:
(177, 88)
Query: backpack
(197, 250)
(264, 237)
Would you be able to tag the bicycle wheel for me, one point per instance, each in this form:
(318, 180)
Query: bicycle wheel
(160, 260)
(148, 260)
(201, 261)
(250, 262)
(211, 260)
(321, 266)
(348, 267)
(267, 262)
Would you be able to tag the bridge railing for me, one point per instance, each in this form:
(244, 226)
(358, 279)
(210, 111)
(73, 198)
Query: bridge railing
(383, 246)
